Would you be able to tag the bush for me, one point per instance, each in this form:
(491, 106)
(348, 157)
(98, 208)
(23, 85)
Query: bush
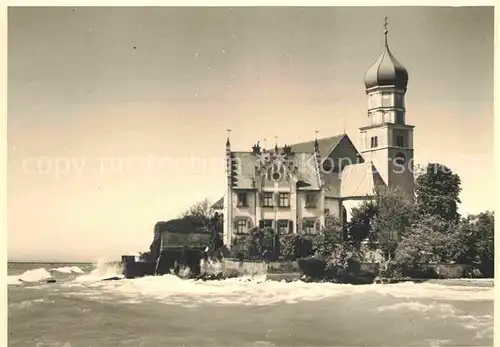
(295, 246)
(431, 240)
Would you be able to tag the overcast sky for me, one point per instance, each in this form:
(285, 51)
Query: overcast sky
(88, 86)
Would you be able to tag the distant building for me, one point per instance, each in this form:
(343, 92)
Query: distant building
(293, 188)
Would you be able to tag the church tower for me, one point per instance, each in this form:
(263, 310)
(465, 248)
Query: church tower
(387, 141)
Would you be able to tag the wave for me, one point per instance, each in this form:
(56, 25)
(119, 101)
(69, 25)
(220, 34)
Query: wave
(68, 269)
(41, 274)
(256, 290)
(34, 275)
(102, 270)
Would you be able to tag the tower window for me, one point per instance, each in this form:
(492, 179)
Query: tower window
(400, 141)
(374, 142)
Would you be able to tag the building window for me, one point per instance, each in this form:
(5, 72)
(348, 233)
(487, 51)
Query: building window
(309, 226)
(241, 226)
(283, 226)
(242, 200)
(267, 200)
(284, 200)
(400, 141)
(374, 142)
(311, 200)
(327, 211)
(265, 223)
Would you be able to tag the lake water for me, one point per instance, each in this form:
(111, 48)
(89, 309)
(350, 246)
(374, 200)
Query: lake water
(80, 310)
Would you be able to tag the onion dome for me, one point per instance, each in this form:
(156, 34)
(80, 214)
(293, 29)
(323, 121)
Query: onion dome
(387, 71)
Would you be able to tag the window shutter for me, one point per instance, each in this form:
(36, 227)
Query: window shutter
(249, 224)
(235, 225)
(290, 226)
(303, 225)
(261, 224)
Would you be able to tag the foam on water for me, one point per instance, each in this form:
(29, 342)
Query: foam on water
(40, 274)
(102, 270)
(35, 275)
(257, 291)
(68, 269)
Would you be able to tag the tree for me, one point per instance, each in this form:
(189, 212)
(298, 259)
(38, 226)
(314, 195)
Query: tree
(437, 192)
(430, 240)
(324, 243)
(392, 219)
(201, 210)
(296, 246)
(360, 226)
(476, 234)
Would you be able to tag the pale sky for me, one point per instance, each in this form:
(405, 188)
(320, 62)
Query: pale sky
(89, 87)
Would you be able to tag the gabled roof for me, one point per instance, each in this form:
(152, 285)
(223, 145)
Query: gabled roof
(359, 180)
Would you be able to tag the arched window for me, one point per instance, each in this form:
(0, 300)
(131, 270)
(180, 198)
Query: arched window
(400, 141)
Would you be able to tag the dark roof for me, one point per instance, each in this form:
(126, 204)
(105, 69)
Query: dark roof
(386, 71)
(326, 145)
